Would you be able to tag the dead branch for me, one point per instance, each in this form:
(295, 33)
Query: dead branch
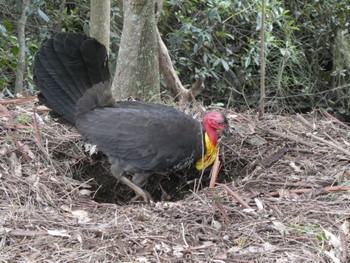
(325, 113)
(237, 197)
(327, 189)
(24, 233)
(305, 122)
(332, 144)
(271, 159)
(18, 100)
(290, 137)
(36, 127)
(19, 147)
(214, 171)
(173, 82)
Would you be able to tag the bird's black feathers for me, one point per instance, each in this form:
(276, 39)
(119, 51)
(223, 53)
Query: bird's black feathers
(71, 72)
(65, 67)
(146, 140)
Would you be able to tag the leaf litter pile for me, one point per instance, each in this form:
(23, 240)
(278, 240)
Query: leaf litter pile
(282, 195)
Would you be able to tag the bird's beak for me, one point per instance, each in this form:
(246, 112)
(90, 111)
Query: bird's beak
(226, 131)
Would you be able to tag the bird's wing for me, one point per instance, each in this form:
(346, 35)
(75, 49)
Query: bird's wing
(148, 140)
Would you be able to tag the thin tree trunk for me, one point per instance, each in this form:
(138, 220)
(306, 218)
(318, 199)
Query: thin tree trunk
(262, 61)
(21, 62)
(137, 73)
(100, 21)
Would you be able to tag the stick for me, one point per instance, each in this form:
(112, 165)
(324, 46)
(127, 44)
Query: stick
(237, 197)
(327, 189)
(19, 147)
(336, 146)
(17, 101)
(215, 170)
(325, 113)
(290, 137)
(36, 127)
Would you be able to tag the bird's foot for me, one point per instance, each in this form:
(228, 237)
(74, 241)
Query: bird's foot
(143, 196)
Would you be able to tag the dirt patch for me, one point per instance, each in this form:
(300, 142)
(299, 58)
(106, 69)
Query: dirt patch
(283, 197)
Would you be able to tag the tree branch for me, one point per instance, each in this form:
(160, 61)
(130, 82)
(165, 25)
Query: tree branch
(173, 82)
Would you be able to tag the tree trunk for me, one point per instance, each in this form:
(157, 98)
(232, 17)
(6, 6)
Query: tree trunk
(100, 21)
(262, 62)
(137, 73)
(21, 62)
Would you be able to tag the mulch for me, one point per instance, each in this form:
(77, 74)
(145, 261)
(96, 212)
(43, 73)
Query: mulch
(282, 195)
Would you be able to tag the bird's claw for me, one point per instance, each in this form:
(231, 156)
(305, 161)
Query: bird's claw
(144, 197)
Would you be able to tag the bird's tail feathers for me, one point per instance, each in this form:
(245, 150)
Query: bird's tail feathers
(66, 66)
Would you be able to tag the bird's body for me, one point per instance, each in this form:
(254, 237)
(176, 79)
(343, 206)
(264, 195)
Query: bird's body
(72, 74)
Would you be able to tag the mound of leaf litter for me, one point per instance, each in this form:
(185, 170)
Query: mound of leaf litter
(282, 196)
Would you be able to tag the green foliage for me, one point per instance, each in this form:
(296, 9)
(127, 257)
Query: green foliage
(307, 47)
(221, 40)
(199, 39)
(218, 39)
(23, 119)
(42, 18)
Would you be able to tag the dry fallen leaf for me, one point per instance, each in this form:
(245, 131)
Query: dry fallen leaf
(82, 216)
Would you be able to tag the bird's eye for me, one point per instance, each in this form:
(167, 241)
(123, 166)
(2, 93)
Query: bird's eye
(219, 123)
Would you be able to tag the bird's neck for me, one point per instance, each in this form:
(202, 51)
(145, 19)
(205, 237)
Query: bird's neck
(213, 137)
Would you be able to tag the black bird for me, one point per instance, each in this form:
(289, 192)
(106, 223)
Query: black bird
(71, 72)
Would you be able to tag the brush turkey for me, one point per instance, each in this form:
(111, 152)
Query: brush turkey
(71, 72)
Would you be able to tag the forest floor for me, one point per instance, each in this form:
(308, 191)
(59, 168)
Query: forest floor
(282, 196)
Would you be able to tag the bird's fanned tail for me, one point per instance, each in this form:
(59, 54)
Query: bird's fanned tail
(65, 67)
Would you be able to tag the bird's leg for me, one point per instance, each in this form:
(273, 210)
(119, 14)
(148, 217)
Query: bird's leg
(138, 190)
(140, 178)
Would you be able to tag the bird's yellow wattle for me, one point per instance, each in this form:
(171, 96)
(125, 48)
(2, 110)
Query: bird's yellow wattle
(209, 155)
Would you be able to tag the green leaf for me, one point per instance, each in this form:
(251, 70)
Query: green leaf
(247, 62)
(195, 48)
(3, 30)
(225, 65)
(43, 16)
(217, 62)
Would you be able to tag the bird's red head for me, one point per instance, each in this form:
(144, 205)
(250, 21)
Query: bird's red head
(214, 122)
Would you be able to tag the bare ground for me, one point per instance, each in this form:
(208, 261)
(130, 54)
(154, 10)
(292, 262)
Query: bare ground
(282, 196)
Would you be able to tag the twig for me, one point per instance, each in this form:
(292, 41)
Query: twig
(325, 113)
(344, 254)
(214, 171)
(289, 137)
(26, 233)
(19, 147)
(305, 122)
(183, 235)
(237, 197)
(336, 146)
(17, 101)
(327, 189)
(202, 246)
(269, 160)
(171, 79)
(33, 233)
(36, 127)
